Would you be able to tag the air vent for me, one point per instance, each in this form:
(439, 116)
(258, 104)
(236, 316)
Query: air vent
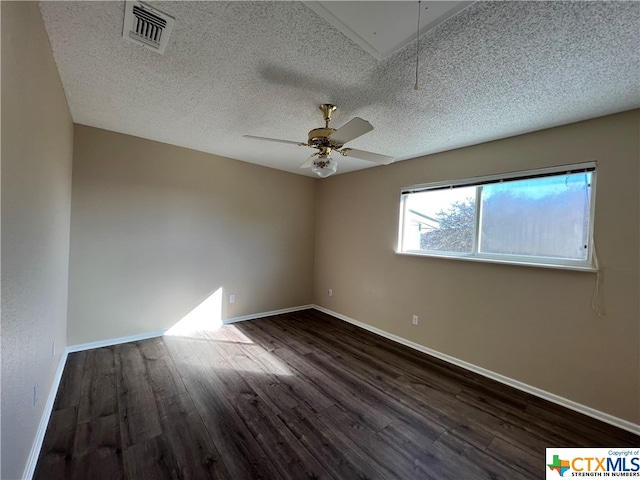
(147, 26)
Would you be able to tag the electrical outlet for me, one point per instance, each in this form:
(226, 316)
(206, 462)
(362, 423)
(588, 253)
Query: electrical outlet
(232, 298)
(35, 394)
(415, 319)
(330, 292)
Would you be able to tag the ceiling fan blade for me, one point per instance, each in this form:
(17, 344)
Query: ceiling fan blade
(350, 130)
(276, 140)
(309, 162)
(369, 156)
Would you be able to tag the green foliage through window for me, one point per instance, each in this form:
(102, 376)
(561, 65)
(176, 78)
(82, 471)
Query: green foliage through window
(455, 233)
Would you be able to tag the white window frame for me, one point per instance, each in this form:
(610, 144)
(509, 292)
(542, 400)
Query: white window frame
(588, 265)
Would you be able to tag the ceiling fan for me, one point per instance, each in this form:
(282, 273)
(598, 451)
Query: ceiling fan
(328, 140)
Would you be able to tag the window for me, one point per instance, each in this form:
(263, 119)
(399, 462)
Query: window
(541, 217)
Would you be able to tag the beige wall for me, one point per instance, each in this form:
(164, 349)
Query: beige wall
(155, 229)
(534, 325)
(37, 149)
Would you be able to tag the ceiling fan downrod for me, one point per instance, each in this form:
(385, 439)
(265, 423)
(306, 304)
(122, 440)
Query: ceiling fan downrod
(327, 112)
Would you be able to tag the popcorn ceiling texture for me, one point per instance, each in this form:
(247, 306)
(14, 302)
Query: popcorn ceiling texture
(495, 70)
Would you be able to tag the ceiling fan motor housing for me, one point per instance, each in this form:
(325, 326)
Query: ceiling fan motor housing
(319, 138)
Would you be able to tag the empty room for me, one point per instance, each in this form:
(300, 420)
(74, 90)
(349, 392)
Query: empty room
(337, 240)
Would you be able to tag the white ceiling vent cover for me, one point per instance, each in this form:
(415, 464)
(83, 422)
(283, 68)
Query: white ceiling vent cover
(147, 26)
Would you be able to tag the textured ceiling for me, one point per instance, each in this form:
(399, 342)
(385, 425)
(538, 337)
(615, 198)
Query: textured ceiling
(494, 70)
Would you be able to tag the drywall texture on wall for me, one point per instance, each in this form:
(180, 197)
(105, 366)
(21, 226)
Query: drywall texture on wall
(37, 151)
(157, 229)
(531, 324)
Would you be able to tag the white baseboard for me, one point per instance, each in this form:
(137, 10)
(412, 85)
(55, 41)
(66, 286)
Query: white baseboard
(32, 461)
(158, 333)
(114, 341)
(565, 402)
(254, 316)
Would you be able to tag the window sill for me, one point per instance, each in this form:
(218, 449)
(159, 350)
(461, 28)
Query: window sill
(554, 266)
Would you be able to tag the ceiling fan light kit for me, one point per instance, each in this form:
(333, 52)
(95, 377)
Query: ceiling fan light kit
(328, 140)
(324, 166)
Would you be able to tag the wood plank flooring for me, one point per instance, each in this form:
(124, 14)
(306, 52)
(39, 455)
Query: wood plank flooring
(296, 396)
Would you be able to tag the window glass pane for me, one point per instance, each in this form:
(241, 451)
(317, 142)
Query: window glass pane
(544, 217)
(440, 220)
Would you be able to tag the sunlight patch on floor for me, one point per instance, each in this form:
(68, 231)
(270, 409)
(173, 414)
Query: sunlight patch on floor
(261, 361)
(224, 346)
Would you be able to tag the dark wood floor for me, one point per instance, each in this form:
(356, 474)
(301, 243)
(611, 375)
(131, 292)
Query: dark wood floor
(296, 396)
